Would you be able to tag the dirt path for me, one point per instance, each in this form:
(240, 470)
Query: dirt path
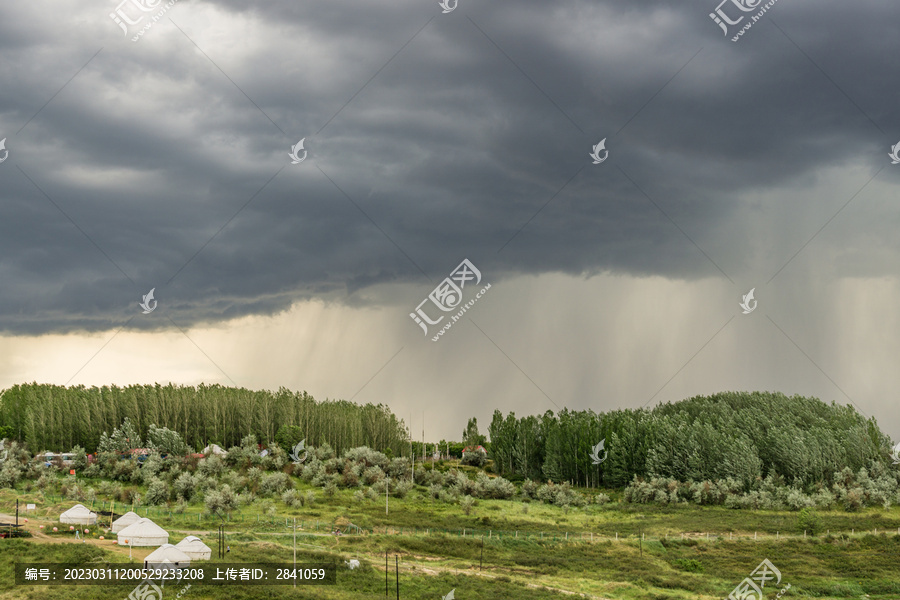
(39, 537)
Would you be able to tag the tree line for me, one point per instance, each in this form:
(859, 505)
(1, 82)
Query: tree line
(741, 435)
(58, 418)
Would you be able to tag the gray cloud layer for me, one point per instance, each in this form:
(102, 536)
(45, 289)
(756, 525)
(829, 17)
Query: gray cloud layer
(451, 148)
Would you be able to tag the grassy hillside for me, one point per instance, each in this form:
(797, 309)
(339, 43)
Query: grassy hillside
(691, 521)
(524, 545)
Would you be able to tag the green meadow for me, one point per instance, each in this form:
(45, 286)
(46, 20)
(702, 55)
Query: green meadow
(511, 549)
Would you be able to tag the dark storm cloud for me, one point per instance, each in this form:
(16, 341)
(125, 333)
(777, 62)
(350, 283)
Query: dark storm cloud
(161, 164)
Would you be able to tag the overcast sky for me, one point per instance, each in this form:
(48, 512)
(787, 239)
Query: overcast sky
(162, 162)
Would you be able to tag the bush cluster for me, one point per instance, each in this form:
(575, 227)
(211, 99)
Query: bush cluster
(560, 495)
(850, 491)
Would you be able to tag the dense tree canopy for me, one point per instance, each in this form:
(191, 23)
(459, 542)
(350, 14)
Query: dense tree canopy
(57, 418)
(741, 435)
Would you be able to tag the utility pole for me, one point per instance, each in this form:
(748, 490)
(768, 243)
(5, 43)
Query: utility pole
(386, 484)
(481, 560)
(295, 551)
(221, 536)
(386, 571)
(412, 455)
(397, 571)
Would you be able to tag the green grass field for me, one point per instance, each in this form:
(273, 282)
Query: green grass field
(511, 549)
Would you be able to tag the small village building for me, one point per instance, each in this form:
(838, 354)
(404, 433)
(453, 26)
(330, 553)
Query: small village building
(143, 532)
(195, 548)
(139, 453)
(167, 556)
(214, 449)
(78, 515)
(124, 521)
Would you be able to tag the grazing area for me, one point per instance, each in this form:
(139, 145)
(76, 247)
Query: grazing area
(452, 522)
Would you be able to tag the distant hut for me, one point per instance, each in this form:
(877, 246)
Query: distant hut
(140, 453)
(143, 532)
(124, 521)
(214, 449)
(474, 455)
(78, 515)
(195, 548)
(167, 556)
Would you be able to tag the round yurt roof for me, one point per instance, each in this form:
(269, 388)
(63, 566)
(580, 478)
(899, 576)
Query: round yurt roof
(194, 547)
(124, 521)
(79, 515)
(191, 540)
(168, 555)
(143, 533)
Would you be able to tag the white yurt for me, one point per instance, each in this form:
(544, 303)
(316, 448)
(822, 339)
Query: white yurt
(78, 515)
(143, 532)
(195, 548)
(124, 521)
(167, 556)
